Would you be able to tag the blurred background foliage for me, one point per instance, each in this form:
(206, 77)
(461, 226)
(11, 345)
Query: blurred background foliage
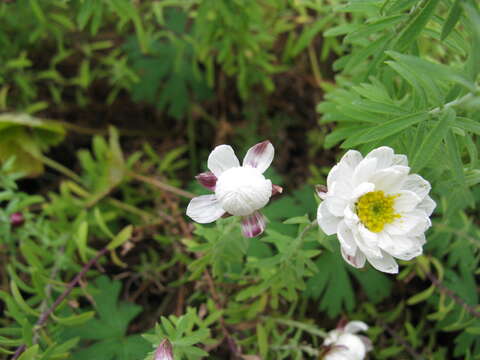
(108, 110)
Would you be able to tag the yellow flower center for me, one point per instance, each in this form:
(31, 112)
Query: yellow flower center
(375, 209)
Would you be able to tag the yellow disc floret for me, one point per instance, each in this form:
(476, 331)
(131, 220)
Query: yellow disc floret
(375, 209)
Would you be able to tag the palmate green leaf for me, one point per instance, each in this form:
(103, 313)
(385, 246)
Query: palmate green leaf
(110, 327)
(331, 285)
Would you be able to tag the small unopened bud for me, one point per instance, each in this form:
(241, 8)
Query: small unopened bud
(164, 351)
(321, 191)
(276, 189)
(17, 219)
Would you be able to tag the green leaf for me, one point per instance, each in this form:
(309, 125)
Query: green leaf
(109, 340)
(30, 353)
(75, 320)
(452, 18)
(427, 69)
(20, 301)
(430, 143)
(386, 129)
(331, 285)
(421, 296)
(262, 339)
(121, 237)
(416, 24)
(81, 240)
(101, 223)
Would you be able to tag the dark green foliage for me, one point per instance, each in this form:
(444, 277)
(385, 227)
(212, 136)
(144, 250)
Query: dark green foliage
(108, 330)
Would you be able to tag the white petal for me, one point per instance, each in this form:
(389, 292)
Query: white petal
(354, 327)
(368, 242)
(336, 205)
(386, 263)
(350, 217)
(222, 158)
(384, 156)
(402, 247)
(417, 184)
(427, 205)
(367, 342)
(423, 224)
(364, 171)
(204, 209)
(339, 180)
(351, 158)
(354, 347)
(357, 261)
(260, 156)
(390, 180)
(400, 159)
(406, 201)
(346, 239)
(362, 189)
(407, 222)
(327, 222)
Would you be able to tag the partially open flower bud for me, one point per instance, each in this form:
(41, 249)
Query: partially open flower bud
(344, 343)
(164, 351)
(17, 219)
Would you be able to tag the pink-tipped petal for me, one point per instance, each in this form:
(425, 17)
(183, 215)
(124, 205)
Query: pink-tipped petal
(253, 224)
(260, 156)
(207, 180)
(204, 209)
(221, 159)
(276, 189)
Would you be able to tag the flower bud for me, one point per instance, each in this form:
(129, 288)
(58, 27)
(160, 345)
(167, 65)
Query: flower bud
(164, 351)
(17, 219)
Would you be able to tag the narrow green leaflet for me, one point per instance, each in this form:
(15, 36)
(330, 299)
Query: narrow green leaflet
(416, 23)
(386, 129)
(452, 18)
(430, 143)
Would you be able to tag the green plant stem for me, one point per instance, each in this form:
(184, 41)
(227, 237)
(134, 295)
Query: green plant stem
(59, 167)
(308, 228)
(298, 325)
(314, 63)
(161, 185)
(450, 104)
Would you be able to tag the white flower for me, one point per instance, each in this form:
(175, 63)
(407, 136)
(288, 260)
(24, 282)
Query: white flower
(343, 343)
(240, 190)
(377, 209)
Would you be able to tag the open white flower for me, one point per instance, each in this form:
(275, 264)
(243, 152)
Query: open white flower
(240, 190)
(343, 343)
(377, 209)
